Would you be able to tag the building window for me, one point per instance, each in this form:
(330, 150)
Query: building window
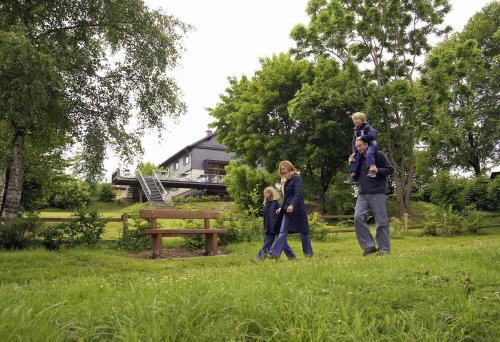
(176, 166)
(216, 168)
(186, 160)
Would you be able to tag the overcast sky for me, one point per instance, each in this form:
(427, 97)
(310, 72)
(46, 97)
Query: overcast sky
(229, 38)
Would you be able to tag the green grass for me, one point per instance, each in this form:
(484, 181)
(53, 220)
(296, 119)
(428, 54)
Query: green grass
(428, 289)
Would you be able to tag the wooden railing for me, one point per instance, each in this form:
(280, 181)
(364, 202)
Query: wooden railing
(123, 219)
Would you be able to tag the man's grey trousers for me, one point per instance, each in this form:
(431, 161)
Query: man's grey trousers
(377, 203)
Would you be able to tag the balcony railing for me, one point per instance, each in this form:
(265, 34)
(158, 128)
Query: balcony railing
(168, 176)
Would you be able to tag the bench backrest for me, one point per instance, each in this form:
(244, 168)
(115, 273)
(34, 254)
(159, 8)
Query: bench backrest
(178, 214)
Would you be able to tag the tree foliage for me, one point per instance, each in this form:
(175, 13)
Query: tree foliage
(79, 70)
(245, 184)
(253, 117)
(385, 38)
(462, 74)
(148, 168)
(293, 110)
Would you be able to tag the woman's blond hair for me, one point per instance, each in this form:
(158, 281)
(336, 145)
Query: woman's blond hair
(359, 115)
(274, 194)
(292, 171)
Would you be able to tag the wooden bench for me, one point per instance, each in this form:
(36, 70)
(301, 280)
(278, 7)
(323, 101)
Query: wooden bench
(157, 234)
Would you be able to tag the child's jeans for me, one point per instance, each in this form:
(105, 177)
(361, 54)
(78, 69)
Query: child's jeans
(268, 242)
(370, 157)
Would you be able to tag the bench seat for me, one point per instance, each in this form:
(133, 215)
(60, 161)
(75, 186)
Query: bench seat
(157, 234)
(181, 232)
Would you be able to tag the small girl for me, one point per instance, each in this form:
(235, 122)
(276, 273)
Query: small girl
(271, 205)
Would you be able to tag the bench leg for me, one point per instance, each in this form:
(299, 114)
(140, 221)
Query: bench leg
(157, 245)
(211, 244)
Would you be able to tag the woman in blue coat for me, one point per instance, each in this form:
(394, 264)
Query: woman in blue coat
(292, 214)
(271, 229)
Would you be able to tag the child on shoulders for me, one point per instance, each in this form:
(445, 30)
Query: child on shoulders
(368, 134)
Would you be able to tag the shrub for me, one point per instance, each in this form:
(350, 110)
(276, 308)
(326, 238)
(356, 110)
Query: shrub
(398, 228)
(447, 222)
(87, 229)
(70, 194)
(105, 193)
(52, 237)
(194, 241)
(135, 239)
(447, 191)
(148, 168)
(317, 229)
(340, 199)
(245, 185)
(17, 233)
(241, 226)
(207, 198)
(476, 193)
(494, 193)
(458, 193)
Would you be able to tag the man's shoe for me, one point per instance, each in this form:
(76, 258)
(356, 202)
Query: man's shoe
(383, 252)
(369, 250)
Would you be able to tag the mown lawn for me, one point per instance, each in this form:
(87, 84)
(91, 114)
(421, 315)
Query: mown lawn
(428, 289)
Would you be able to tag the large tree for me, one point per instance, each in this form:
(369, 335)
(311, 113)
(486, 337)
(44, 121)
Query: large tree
(253, 117)
(79, 70)
(296, 110)
(323, 108)
(385, 37)
(462, 73)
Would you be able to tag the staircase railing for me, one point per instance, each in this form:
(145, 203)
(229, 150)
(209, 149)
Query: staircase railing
(144, 185)
(163, 192)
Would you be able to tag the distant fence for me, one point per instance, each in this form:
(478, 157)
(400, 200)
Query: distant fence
(123, 219)
(406, 222)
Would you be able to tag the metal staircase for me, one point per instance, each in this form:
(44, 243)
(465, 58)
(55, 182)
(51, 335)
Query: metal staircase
(153, 189)
(160, 187)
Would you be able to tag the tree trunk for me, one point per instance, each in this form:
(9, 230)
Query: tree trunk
(322, 201)
(12, 203)
(473, 158)
(400, 192)
(2, 186)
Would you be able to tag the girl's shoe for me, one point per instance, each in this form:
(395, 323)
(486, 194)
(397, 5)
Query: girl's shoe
(272, 257)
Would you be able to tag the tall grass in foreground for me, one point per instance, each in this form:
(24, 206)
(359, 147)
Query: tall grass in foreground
(429, 289)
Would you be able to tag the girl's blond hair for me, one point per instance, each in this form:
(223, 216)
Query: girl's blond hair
(274, 194)
(359, 115)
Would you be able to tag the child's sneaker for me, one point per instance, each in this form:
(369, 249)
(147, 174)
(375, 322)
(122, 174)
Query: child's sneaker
(351, 181)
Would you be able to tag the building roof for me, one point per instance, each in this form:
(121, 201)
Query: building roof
(188, 148)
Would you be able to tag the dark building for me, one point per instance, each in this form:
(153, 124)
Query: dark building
(196, 169)
(204, 157)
